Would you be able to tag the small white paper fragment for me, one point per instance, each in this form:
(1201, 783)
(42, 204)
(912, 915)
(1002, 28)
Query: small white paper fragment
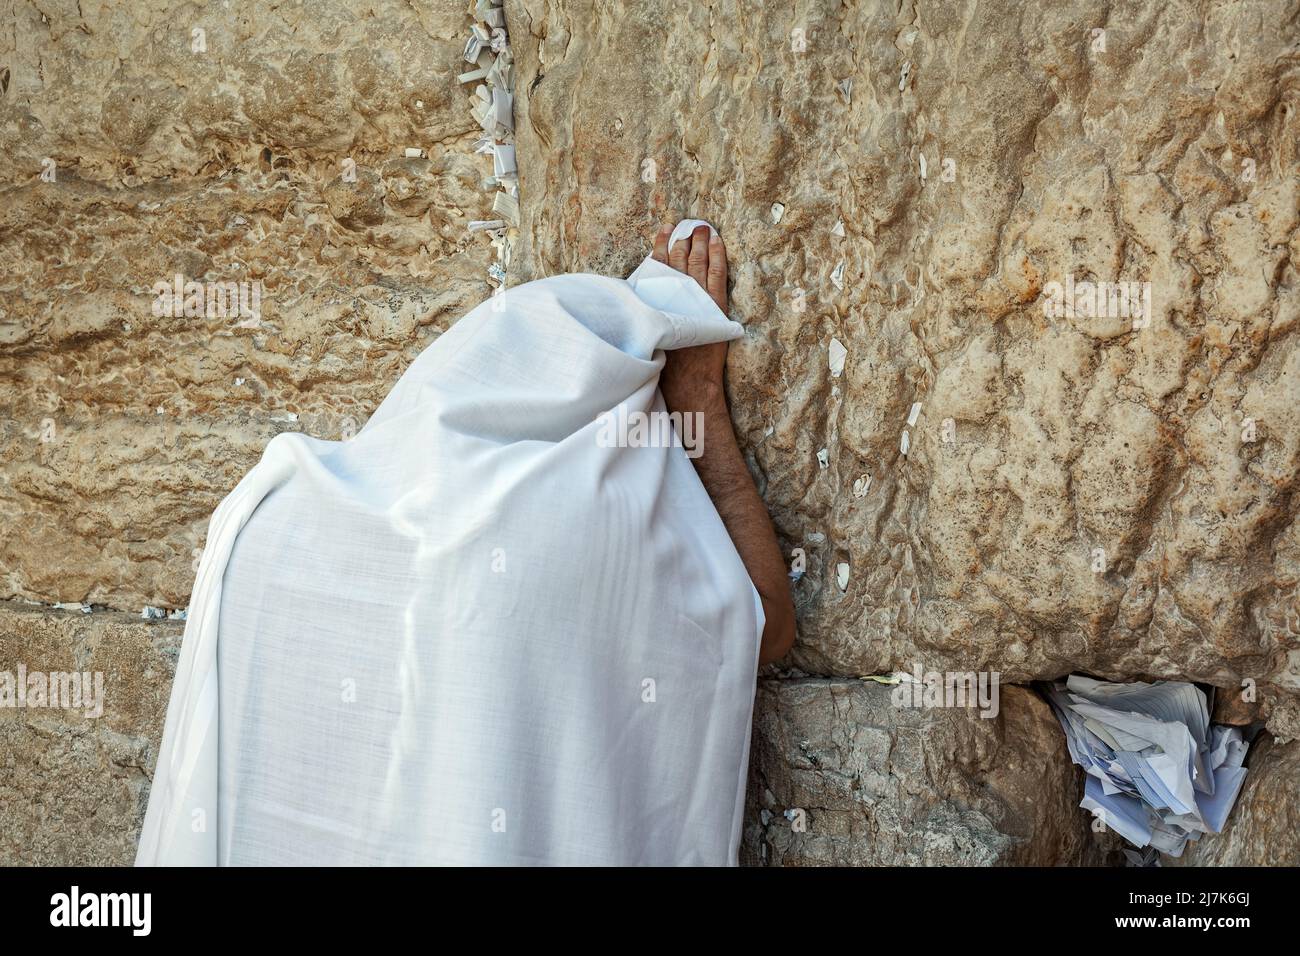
(778, 210)
(837, 356)
(414, 152)
(503, 160)
(498, 74)
(845, 87)
(923, 167)
(842, 575)
(862, 486)
(914, 414)
(816, 537)
(502, 109)
(889, 679)
(902, 80)
(905, 443)
(823, 458)
(486, 225)
(839, 229)
(506, 206)
(837, 276)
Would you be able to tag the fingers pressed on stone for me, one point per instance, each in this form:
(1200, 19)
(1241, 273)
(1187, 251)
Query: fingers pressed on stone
(660, 253)
(697, 263)
(677, 255)
(717, 286)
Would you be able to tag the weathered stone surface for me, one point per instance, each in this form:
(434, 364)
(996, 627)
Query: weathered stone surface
(121, 430)
(1068, 434)
(73, 787)
(881, 785)
(1264, 829)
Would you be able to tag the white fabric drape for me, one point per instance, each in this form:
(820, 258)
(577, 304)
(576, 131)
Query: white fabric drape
(472, 634)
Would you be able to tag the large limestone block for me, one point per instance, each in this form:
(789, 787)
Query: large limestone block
(221, 156)
(880, 785)
(73, 785)
(1078, 494)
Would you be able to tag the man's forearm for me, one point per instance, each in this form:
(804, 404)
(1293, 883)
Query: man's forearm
(722, 471)
(691, 382)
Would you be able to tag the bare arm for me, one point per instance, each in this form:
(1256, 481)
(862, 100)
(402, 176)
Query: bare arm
(692, 382)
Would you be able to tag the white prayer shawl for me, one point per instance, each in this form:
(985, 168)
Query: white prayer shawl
(472, 634)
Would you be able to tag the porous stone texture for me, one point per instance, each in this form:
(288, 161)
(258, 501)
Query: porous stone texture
(74, 785)
(980, 152)
(841, 776)
(122, 429)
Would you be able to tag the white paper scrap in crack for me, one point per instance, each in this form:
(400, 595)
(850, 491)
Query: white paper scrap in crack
(837, 355)
(503, 160)
(502, 108)
(1158, 773)
(837, 276)
(506, 206)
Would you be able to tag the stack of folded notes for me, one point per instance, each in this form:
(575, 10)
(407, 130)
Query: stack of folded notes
(1159, 774)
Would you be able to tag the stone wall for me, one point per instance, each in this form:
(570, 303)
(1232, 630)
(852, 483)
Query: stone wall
(1077, 493)
(73, 784)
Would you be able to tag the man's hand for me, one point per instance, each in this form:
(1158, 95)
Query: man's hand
(692, 382)
(694, 374)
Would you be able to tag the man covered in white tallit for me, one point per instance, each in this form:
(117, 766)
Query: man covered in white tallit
(482, 631)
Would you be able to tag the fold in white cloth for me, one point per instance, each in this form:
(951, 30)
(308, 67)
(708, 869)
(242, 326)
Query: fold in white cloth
(474, 633)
